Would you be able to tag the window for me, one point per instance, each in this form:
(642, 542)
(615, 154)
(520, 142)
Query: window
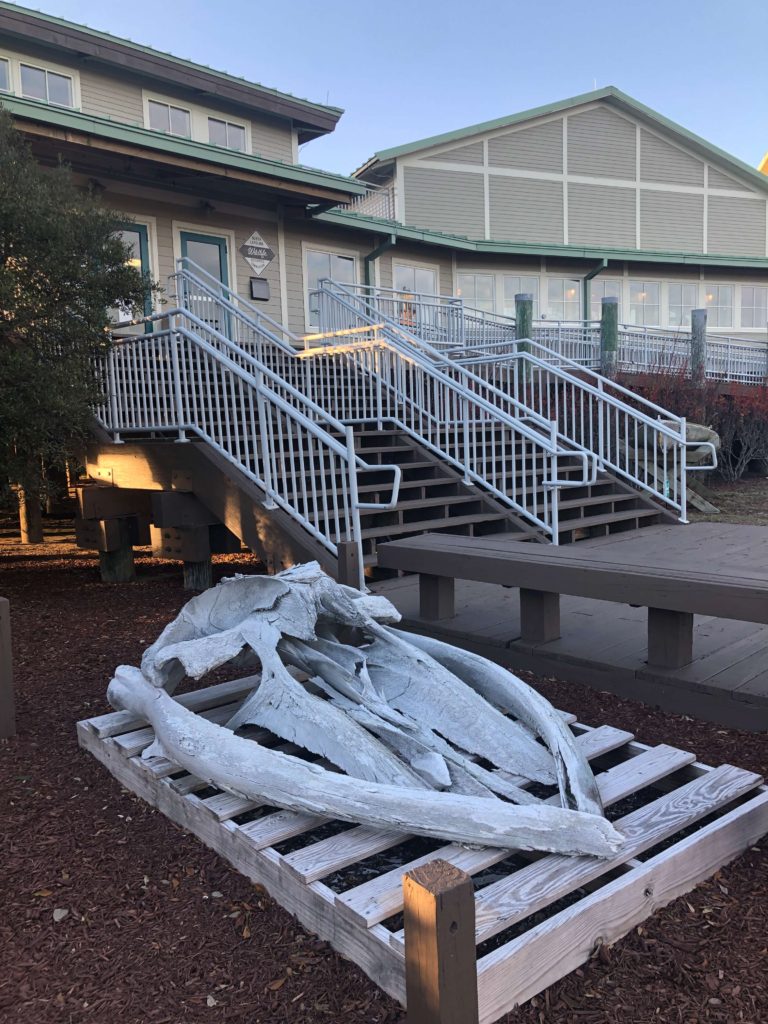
(5, 75)
(719, 302)
(563, 299)
(520, 286)
(327, 264)
(682, 299)
(164, 117)
(477, 291)
(414, 280)
(754, 306)
(644, 308)
(48, 86)
(226, 134)
(602, 288)
(135, 237)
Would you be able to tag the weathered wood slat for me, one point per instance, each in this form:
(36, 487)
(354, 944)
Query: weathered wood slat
(132, 743)
(373, 901)
(224, 806)
(277, 827)
(528, 890)
(117, 722)
(517, 971)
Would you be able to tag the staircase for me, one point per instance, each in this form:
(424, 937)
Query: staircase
(368, 432)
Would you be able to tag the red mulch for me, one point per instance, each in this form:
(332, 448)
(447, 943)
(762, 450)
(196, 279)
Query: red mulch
(159, 930)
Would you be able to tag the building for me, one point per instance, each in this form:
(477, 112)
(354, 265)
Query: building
(591, 196)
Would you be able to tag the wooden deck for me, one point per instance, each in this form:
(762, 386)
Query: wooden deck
(604, 644)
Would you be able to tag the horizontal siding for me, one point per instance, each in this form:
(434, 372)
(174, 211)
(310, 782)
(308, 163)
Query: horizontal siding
(671, 221)
(661, 162)
(472, 154)
(601, 215)
(109, 96)
(450, 201)
(719, 180)
(539, 148)
(602, 144)
(272, 139)
(526, 209)
(736, 227)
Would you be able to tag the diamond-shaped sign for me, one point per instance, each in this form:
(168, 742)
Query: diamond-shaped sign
(256, 253)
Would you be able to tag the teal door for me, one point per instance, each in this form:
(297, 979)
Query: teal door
(136, 237)
(209, 253)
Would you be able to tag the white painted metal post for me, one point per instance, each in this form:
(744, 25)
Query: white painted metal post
(353, 517)
(177, 397)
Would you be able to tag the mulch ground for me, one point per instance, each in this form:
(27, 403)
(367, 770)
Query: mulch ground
(110, 914)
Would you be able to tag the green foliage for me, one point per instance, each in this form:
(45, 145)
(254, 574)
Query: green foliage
(61, 268)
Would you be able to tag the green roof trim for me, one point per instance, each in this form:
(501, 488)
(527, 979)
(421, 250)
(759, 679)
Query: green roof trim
(609, 93)
(181, 61)
(348, 219)
(62, 117)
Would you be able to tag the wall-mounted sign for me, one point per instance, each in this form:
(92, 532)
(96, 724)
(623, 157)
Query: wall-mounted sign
(256, 253)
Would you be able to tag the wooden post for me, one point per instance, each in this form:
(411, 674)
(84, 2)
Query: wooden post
(609, 335)
(524, 318)
(698, 346)
(670, 638)
(7, 705)
(117, 564)
(198, 575)
(436, 596)
(30, 518)
(440, 957)
(539, 616)
(349, 564)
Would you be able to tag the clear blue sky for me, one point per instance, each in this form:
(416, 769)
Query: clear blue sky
(407, 69)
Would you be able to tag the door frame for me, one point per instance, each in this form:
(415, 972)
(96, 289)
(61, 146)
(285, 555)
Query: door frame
(206, 233)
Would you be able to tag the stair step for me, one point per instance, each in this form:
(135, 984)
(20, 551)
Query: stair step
(446, 499)
(430, 525)
(437, 481)
(597, 499)
(608, 519)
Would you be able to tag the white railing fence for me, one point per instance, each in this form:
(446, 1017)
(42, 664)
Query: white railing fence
(189, 378)
(641, 442)
(377, 202)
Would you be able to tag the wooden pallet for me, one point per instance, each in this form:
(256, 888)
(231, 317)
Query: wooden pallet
(537, 917)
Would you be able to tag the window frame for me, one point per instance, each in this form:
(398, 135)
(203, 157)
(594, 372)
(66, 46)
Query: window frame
(710, 286)
(171, 106)
(15, 61)
(332, 250)
(472, 303)
(416, 265)
(536, 278)
(578, 299)
(695, 285)
(227, 125)
(752, 306)
(198, 120)
(597, 282)
(645, 282)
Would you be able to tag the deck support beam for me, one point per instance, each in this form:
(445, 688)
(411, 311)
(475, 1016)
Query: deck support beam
(198, 575)
(539, 615)
(440, 957)
(437, 596)
(670, 638)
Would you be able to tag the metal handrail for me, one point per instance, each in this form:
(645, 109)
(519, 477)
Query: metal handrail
(154, 383)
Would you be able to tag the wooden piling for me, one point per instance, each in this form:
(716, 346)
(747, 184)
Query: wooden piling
(7, 704)
(698, 345)
(440, 958)
(609, 335)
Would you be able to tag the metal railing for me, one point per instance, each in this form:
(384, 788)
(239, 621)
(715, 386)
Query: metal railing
(637, 440)
(377, 202)
(189, 378)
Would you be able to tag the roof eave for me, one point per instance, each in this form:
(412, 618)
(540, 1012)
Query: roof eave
(124, 55)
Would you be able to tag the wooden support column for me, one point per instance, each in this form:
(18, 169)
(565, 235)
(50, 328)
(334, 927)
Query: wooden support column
(440, 957)
(349, 564)
(7, 704)
(539, 615)
(30, 518)
(198, 575)
(116, 563)
(609, 335)
(436, 596)
(524, 317)
(698, 346)
(670, 638)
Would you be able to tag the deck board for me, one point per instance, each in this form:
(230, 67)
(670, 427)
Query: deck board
(604, 644)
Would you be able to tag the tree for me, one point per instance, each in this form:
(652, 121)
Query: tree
(62, 267)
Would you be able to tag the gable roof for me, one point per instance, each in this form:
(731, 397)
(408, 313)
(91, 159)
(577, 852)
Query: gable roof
(312, 119)
(610, 94)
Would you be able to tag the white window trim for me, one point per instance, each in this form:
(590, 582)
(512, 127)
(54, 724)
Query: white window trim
(198, 119)
(419, 265)
(536, 299)
(178, 226)
(17, 59)
(322, 247)
(735, 304)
